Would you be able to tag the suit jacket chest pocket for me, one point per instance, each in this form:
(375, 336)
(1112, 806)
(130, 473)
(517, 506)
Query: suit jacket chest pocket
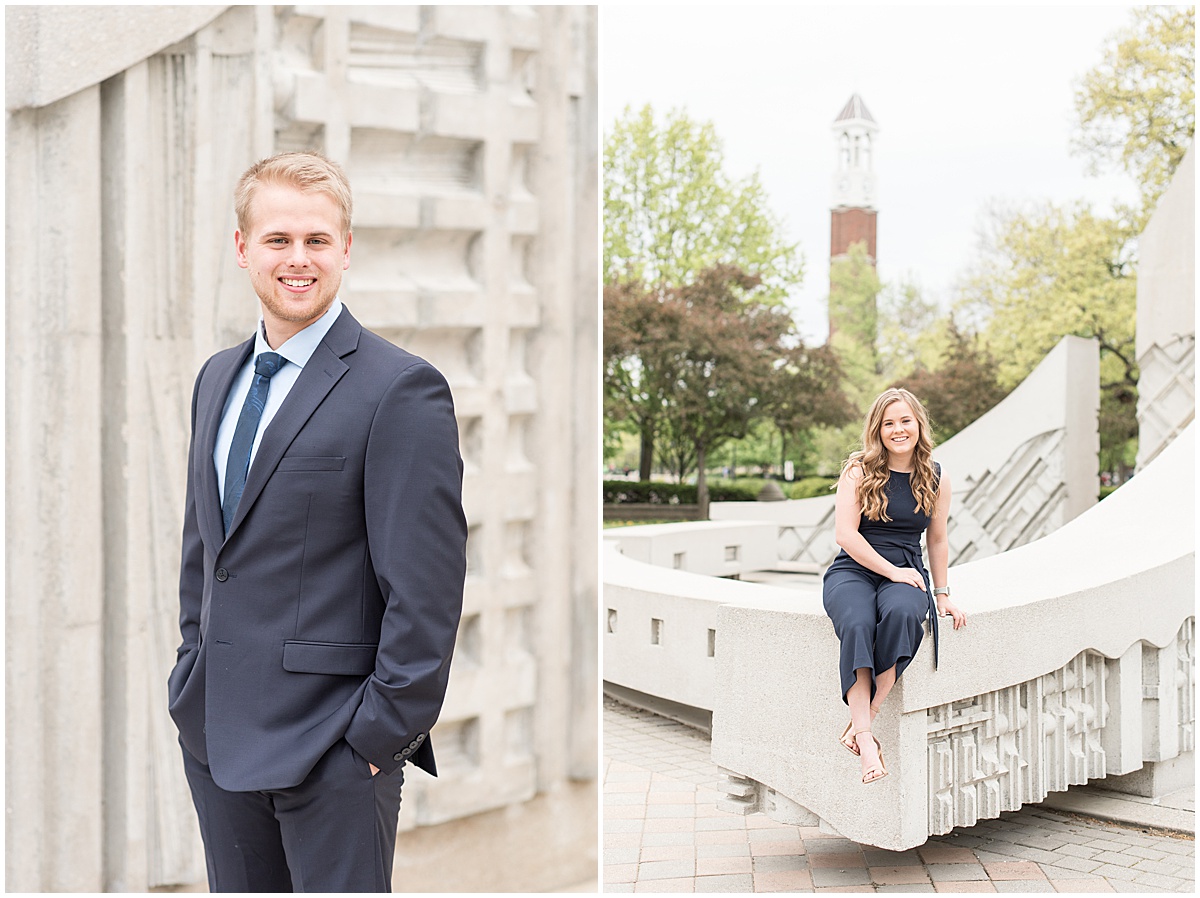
(310, 463)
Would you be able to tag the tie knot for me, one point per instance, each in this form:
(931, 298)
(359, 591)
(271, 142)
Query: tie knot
(268, 364)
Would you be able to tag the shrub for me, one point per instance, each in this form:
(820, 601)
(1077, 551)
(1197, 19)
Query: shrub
(654, 492)
(732, 492)
(809, 487)
(620, 492)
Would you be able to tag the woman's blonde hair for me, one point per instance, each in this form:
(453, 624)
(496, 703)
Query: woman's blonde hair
(872, 459)
(309, 172)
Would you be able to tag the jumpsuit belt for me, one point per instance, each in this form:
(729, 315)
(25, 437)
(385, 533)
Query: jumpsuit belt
(912, 555)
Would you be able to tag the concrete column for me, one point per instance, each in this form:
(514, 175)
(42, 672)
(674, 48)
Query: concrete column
(54, 596)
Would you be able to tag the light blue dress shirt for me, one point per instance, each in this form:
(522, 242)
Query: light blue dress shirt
(298, 350)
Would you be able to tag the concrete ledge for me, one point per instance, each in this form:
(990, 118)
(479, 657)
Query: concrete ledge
(712, 548)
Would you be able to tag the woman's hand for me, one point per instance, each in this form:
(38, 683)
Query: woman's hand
(945, 606)
(908, 575)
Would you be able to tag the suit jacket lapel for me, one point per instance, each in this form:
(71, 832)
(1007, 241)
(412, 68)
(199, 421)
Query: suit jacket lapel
(208, 495)
(323, 370)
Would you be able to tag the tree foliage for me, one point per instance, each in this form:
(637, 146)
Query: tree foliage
(804, 391)
(914, 332)
(854, 323)
(1054, 271)
(671, 210)
(1137, 107)
(702, 361)
(731, 343)
(960, 389)
(641, 356)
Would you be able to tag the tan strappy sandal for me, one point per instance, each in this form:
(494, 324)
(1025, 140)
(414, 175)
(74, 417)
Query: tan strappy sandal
(849, 744)
(867, 777)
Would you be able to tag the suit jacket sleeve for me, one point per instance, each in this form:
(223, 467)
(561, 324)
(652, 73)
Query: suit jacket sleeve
(416, 536)
(191, 569)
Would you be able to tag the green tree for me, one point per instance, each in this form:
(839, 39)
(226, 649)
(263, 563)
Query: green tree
(671, 210)
(730, 341)
(642, 352)
(960, 389)
(854, 323)
(1054, 271)
(803, 392)
(913, 331)
(1137, 108)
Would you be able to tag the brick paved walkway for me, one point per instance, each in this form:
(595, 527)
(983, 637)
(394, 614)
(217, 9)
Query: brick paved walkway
(663, 833)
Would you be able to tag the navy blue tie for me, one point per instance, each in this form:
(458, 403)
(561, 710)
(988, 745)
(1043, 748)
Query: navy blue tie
(237, 467)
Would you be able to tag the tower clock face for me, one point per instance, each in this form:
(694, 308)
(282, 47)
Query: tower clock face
(868, 186)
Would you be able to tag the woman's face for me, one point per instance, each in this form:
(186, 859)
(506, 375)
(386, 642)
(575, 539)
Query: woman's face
(899, 431)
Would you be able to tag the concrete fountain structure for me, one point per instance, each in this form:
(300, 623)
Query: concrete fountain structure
(1079, 659)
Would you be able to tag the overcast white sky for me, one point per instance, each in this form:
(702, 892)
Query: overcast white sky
(974, 105)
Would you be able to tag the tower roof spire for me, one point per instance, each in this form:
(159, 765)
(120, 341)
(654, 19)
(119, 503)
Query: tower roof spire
(855, 108)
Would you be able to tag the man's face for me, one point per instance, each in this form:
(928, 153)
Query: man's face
(295, 254)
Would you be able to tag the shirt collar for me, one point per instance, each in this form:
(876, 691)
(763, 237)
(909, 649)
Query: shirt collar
(300, 347)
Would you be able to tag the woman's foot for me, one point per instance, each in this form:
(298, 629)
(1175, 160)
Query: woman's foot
(847, 737)
(871, 752)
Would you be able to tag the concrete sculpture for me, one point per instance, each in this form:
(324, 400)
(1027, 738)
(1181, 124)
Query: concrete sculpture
(1077, 664)
(1079, 659)
(1166, 316)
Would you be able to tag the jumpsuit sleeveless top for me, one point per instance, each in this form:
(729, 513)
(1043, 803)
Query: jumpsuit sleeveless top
(898, 540)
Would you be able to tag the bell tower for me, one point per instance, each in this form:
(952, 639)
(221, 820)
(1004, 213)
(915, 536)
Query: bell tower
(854, 182)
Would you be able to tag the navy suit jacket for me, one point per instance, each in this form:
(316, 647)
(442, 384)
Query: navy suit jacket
(330, 608)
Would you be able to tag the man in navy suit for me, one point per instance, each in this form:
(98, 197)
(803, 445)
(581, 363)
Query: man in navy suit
(323, 562)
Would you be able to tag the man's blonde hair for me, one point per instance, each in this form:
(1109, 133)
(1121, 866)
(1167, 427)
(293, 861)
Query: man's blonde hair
(309, 172)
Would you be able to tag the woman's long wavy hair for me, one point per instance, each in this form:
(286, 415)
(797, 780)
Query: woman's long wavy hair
(871, 488)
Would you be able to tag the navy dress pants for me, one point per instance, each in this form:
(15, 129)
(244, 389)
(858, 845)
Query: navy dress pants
(335, 832)
(879, 622)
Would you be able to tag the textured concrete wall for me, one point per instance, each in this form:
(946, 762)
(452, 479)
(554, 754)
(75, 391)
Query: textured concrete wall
(469, 135)
(1020, 471)
(1166, 316)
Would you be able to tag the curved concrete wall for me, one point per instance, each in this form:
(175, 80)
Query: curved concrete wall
(659, 622)
(1077, 663)
(1019, 472)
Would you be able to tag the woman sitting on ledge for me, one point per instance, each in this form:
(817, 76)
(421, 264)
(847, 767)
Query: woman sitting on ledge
(877, 590)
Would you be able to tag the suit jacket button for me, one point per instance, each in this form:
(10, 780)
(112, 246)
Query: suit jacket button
(398, 756)
(222, 574)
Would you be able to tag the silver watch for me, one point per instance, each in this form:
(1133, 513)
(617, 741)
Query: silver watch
(941, 590)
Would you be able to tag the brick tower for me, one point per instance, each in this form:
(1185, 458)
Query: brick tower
(852, 218)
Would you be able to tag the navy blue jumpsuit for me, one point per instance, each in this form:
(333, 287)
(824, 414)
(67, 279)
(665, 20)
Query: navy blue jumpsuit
(879, 622)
